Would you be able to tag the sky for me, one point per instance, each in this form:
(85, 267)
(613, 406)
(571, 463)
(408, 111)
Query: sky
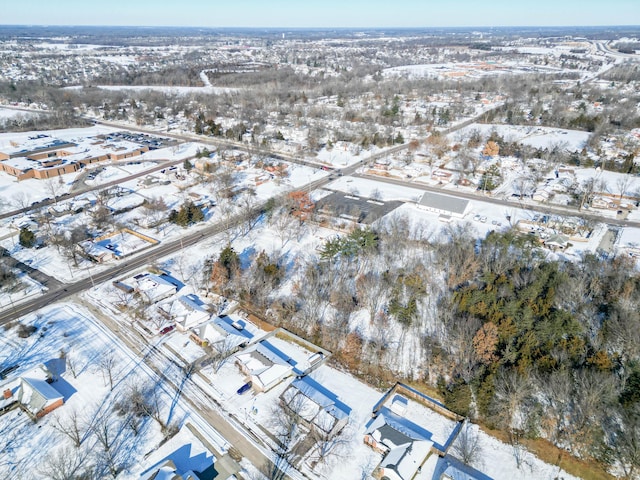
(321, 13)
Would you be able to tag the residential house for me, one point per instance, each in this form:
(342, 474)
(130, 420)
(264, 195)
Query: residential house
(318, 408)
(153, 288)
(96, 252)
(32, 392)
(407, 428)
(404, 449)
(187, 312)
(223, 334)
(265, 365)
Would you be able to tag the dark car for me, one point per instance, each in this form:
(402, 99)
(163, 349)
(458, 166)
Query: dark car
(244, 388)
(166, 329)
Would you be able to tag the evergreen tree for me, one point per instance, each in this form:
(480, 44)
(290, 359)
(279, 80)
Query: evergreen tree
(27, 238)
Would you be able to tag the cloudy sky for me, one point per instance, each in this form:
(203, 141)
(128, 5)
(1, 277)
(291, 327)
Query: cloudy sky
(321, 13)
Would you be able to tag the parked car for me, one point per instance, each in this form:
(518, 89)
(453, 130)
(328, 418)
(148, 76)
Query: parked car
(244, 388)
(167, 329)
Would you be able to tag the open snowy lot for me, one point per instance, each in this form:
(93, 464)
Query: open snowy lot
(534, 136)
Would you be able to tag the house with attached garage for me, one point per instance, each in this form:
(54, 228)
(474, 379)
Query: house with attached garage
(153, 288)
(317, 408)
(266, 365)
(224, 334)
(187, 312)
(408, 428)
(32, 392)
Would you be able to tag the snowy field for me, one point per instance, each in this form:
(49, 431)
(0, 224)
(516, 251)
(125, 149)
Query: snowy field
(364, 187)
(465, 69)
(538, 137)
(166, 89)
(343, 154)
(6, 113)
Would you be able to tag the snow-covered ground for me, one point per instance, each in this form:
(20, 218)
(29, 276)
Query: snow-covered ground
(534, 136)
(87, 392)
(166, 89)
(6, 113)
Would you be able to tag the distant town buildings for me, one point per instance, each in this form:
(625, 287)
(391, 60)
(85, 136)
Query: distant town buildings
(43, 156)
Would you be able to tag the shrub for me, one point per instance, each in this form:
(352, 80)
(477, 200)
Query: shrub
(25, 331)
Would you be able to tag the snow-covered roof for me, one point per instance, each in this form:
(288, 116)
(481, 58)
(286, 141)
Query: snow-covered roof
(154, 286)
(393, 430)
(35, 144)
(450, 468)
(265, 363)
(406, 459)
(31, 389)
(95, 250)
(221, 330)
(326, 401)
(188, 312)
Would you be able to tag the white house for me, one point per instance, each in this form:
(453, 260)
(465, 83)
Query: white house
(223, 333)
(403, 448)
(188, 313)
(32, 392)
(318, 408)
(95, 251)
(153, 287)
(265, 364)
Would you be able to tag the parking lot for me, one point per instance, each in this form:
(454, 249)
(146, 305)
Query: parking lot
(150, 141)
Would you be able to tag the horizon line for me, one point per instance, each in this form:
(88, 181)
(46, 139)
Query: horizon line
(46, 25)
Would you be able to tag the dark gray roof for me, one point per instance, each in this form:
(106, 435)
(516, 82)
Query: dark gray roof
(444, 202)
(387, 432)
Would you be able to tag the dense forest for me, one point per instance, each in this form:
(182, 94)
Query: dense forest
(513, 338)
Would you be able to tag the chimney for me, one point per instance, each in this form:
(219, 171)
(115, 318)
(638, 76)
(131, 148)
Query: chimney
(8, 393)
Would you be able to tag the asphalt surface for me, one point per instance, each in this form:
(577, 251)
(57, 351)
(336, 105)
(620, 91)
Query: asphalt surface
(42, 278)
(548, 209)
(80, 191)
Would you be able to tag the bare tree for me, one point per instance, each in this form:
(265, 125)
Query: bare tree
(65, 463)
(372, 291)
(219, 353)
(54, 187)
(623, 183)
(107, 364)
(327, 449)
(111, 458)
(21, 200)
(137, 404)
(512, 388)
(285, 421)
(467, 446)
(285, 225)
(72, 425)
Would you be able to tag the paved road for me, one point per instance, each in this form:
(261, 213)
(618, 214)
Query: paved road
(556, 210)
(198, 398)
(75, 193)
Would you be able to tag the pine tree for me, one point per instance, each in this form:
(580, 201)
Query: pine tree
(27, 238)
